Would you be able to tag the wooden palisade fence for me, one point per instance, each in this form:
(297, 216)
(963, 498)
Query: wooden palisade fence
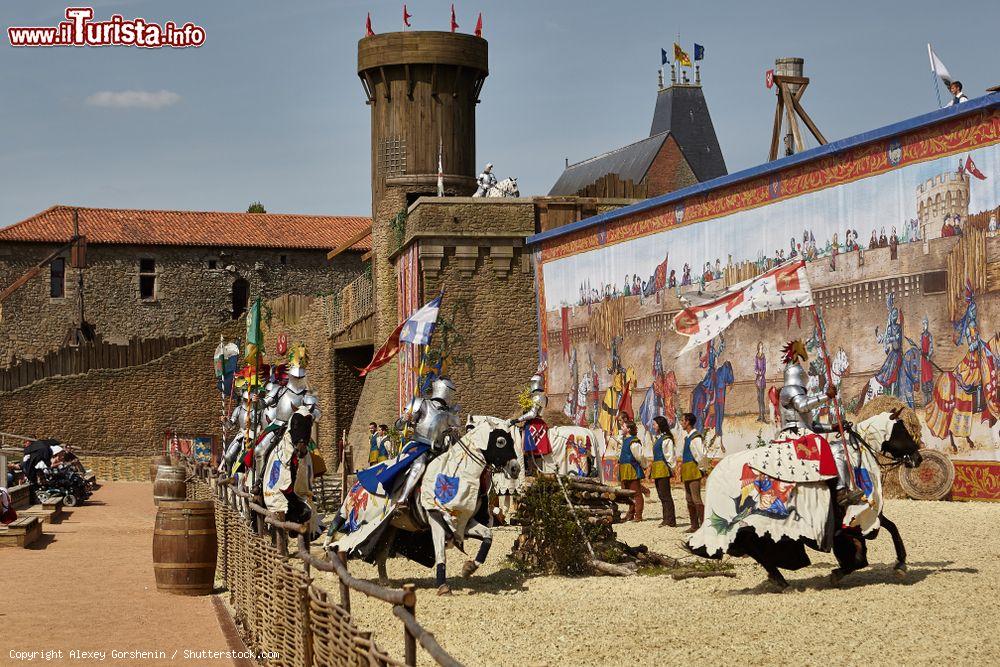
(84, 358)
(285, 617)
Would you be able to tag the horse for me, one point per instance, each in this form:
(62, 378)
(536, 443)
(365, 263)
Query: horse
(572, 450)
(449, 506)
(284, 471)
(505, 188)
(771, 520)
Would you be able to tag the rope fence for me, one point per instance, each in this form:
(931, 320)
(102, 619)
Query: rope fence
(283, 615)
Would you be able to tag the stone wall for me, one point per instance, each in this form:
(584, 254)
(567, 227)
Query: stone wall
(121, 412)
(191, 298)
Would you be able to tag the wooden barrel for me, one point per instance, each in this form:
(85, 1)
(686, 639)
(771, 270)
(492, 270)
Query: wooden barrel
(155, 463)
(184, 547)
(169, 484)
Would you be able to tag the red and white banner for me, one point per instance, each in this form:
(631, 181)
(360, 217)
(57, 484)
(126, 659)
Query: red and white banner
(785, 286)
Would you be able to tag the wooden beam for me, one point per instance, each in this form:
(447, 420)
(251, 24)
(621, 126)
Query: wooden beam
(776, 133)
(385, 82)
(792, 122)
(410, 82)
(366, 85)
(809, 122)
(434, 78)
(357, 238)
(782, 78)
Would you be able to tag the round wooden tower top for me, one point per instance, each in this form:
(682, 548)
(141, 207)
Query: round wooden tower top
(423, 47)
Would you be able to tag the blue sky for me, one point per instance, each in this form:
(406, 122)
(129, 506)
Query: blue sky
(270, 108)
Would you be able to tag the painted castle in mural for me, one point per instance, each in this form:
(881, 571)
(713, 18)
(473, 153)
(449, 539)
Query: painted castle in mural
(904, 261)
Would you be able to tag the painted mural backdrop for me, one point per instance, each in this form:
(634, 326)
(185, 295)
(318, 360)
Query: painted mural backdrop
(903, 252)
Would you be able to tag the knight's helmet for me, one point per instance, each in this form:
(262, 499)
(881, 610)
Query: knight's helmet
(488, 168)
(298, 359)
(443, 389)
(537, 383)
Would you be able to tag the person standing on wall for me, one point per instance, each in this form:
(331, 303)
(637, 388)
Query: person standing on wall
(957, 96)
(692, 470)
(630, 472)
(664, 457)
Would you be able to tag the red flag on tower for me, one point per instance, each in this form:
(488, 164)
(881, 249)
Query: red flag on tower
(368, 26)
(406, 17)
(454, 23)
(971, 167)
(479, 25)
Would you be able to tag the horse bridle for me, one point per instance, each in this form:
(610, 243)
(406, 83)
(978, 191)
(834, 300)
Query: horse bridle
(855, 436)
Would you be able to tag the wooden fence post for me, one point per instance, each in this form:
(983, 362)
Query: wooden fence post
(345, 592)
(408, 637)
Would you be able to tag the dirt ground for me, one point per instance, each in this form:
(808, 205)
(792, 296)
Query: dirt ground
(942, 612)
(88, 586)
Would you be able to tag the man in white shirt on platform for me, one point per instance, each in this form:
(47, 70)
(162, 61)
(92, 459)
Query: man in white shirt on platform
(957, 96)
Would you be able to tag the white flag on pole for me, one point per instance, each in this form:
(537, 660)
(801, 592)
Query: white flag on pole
(938, 67)
(440, 172)
(783, 287)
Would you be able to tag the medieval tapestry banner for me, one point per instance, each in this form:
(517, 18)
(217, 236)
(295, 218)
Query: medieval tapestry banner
(901, 245)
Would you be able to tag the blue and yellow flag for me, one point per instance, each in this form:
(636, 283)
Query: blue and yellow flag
(680, 56)
(699, 52)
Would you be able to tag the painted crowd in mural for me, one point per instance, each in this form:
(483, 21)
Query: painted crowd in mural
(904, 262)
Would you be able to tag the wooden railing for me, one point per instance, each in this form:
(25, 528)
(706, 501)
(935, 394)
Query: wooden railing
(282, 611)
(93, 356)
(351, 305)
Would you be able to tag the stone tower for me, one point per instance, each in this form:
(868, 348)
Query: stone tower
(422, 87)
(945, 194)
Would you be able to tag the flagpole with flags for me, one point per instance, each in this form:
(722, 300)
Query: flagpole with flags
(938, 72)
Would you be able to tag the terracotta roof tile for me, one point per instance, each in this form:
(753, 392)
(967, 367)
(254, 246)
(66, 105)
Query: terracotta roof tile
(194, 228)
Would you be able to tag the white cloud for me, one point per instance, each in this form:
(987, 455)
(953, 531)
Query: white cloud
(133, 99)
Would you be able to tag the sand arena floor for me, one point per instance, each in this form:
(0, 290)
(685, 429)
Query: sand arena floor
(943, 612)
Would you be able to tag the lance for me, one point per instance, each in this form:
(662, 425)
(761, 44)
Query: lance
(821, 331)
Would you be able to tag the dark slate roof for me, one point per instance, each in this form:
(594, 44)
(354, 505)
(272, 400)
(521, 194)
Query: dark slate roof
(628, 162)
(682, 111)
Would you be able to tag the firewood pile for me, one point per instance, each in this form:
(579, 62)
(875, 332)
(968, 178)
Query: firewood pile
(567, 527)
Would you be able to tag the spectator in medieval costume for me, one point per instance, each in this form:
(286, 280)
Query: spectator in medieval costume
(892, 343)
(760, 381)
(893, 244)
(664, 459)
(873, 243)
(686, 275)
(946, 228)
(693, 464)
(957, 226)
(384, 443)
(926, 367)
(883, 240)
(373, 448)
(630, 474)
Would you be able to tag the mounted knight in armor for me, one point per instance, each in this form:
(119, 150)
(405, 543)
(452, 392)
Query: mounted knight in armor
(536, 438)
(797, 407)
(434, 423)
(485, 180)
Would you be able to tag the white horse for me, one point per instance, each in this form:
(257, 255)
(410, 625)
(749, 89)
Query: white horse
(505, 188)
(449, 507)
(573, 450)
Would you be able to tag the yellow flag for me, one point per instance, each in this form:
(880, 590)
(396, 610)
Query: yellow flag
(682, 58)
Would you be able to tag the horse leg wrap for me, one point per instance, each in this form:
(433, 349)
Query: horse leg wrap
(439, 579)
(484, 551)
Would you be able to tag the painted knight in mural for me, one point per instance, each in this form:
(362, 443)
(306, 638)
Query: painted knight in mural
(661, 397)
(708, 400)
(572, 393)
(926, 365)
(892, 341)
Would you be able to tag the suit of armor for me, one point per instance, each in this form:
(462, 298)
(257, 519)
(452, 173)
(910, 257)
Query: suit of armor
(538, 401)
(795, 404)
(485, 181)
(432, 419)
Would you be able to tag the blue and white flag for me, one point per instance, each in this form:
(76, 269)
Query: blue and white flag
(420, 326)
